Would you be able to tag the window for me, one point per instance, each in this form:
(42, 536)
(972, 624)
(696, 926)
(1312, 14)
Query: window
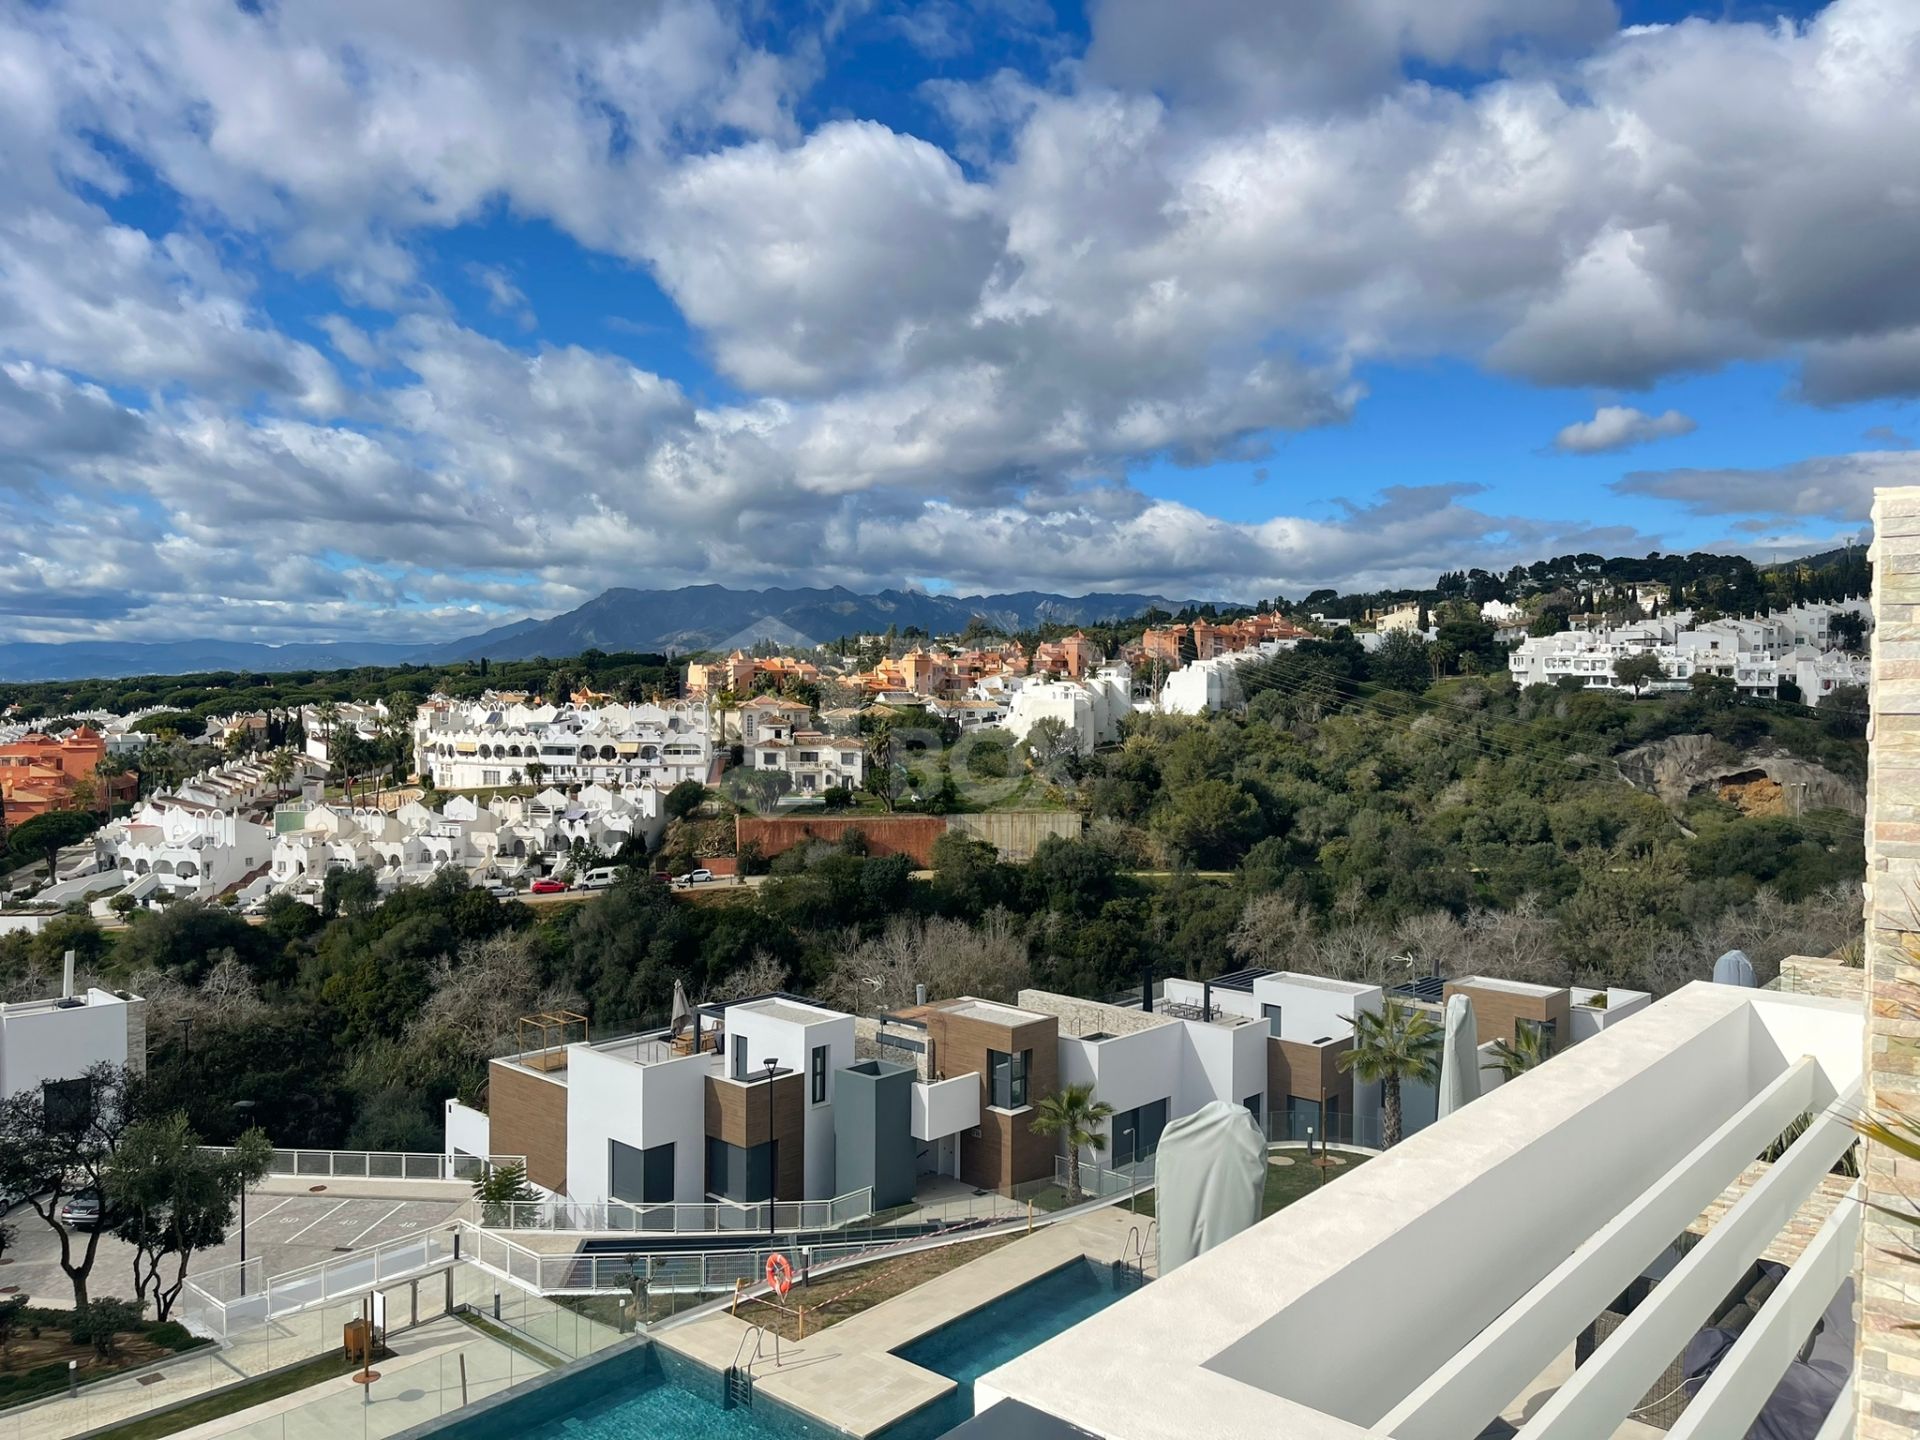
(1545, 1029)
(1136, 1133)
(818, 1072)
(1272, 1012)
(1007, 1078)
(739, 1057)
(1252, 1102)
(640, 1177)
(489, 777)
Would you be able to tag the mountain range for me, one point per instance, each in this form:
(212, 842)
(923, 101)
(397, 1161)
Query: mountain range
(694, 617)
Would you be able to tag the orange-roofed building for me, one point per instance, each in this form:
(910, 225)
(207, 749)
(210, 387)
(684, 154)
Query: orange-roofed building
(1075, 657)
(1164, 644)
(39, 773)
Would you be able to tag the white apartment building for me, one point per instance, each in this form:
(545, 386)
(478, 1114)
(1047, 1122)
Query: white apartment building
(1756, 654)
(506, 838)
(363, 720)
(1205, 687)
(1154, 1067)
(462, 745)
(190, 850)
(777, 735)
(1090, 708)
(46, 1041)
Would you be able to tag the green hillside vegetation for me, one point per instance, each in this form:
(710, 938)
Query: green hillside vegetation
(1362, 819)
(626, 677)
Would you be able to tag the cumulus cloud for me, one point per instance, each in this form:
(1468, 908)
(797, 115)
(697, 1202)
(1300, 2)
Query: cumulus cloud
(1178, 246)
(1619, 427)
(1836, 486)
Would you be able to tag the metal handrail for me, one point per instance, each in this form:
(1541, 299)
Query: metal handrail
(756, 1334)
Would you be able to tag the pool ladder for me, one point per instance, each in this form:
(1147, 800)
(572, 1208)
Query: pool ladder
(739, 1393)
(1133, 1255)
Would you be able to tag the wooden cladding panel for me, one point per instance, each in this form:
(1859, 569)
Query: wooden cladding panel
(527, 1115)
(1311, 1072)
(1006, 1150)
(1496, 1011)
(737, 1114)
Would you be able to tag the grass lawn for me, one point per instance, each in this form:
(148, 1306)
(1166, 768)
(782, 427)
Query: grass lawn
(846, 1293)
(240, 1397)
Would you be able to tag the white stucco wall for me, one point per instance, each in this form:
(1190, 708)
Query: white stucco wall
(612, 1098)
(771, 1034)
(1312, 1008)
(945, 1107)
(468, 1131)
(41, 1042)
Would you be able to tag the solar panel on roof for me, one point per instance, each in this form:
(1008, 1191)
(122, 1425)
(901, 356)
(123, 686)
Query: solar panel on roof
(1431, 988)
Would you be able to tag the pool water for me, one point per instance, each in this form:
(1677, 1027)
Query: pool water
(967, 1348)
(650, 1393)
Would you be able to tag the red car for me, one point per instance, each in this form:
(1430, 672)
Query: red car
(549, 887)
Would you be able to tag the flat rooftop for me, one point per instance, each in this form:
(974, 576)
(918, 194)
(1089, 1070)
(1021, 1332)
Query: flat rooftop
(788, 1012)
(992, 1012)
(75, 1002)
(1511, 987)
(1321, 982)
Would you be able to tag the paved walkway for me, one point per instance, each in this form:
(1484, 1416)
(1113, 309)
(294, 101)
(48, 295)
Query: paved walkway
(847, 1376)
(434, 1370)
(291, 1338)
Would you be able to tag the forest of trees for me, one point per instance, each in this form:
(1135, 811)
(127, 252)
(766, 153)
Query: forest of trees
(193, 698)
(1361, 819)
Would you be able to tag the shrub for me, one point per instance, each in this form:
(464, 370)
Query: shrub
(101, 1321)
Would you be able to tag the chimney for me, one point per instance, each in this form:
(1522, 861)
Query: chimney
(66, 981)
(919, 994)
(1146, 988)
(1206, 1001)
(696, 1029)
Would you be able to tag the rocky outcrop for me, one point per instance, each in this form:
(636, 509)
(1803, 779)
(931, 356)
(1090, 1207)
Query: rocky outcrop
(1758, 782)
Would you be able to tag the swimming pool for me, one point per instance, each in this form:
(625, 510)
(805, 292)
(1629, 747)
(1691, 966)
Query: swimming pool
(650, 1393)
(967, 1348)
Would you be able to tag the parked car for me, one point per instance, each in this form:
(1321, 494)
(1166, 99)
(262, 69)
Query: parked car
(549, 886)
(81, 1212)
(602, 877)
(694, 877)
(502, 892)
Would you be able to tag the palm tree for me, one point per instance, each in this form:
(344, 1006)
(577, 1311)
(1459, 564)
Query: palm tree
(535, 771)
(1528, 1048)
(1075, 1116)
(1395, 1043)
(280, 766)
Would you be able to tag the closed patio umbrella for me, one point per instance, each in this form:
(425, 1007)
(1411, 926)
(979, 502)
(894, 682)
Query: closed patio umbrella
(1460, 1060)
(1734, 968)
(682, 1011)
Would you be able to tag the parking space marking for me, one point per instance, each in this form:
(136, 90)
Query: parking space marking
(311, 1223)
(253, 1220)
(375, 1226)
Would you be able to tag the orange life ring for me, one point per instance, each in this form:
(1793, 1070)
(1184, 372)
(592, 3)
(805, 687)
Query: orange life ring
(780, 1273)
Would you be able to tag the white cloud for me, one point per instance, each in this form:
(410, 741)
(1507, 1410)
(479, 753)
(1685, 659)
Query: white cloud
(1178, 246)
(1838, 487)
(1619, 427)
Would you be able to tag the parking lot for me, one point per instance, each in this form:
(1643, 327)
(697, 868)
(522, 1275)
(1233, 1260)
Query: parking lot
(284, 1231)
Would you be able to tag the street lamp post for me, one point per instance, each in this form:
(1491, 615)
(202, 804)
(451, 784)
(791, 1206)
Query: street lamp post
(243, 1106)
(772, 1065)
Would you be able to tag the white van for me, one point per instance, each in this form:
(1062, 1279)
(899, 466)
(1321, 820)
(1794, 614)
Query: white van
(603, 877)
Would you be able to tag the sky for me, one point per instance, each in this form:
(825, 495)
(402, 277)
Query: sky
(398, 321)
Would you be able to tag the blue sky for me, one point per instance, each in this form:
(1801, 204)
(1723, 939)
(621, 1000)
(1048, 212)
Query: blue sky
(404, 321)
